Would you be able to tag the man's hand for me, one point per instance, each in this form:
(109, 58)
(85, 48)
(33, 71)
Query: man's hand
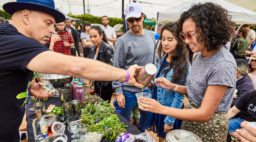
(120, 100)
(36, 90)
(134, 69)
(55, 37)
(167, 128)
(249, 136)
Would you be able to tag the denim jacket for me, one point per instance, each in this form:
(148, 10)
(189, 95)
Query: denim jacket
(168, 97)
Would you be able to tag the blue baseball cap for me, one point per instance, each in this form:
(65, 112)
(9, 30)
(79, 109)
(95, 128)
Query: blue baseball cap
(46, 6)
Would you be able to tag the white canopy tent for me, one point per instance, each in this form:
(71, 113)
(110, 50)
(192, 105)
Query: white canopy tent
(238, 14)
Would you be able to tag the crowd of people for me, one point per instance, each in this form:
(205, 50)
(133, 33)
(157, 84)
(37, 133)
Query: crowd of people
(202, 57)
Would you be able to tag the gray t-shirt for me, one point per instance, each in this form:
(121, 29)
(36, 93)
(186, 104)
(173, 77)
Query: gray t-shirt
(130, 50)
(218, 69)
(110, 33)
(85, 36)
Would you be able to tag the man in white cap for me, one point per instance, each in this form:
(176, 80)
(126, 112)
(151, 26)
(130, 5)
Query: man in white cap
(135, 47)
(22, 52)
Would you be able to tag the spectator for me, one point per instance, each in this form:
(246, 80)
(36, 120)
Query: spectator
(109, 31)
(246, 107)
(233, 41)
(252, 49)
(135, 47)
(103, 53)
(73, 24)
(211, 81)
(242, 44)
(251, 34)
(85, 38)
(74, 49)
(79, 31)
(252, 65)
(174, 66)
(63, 41)
(243, 82)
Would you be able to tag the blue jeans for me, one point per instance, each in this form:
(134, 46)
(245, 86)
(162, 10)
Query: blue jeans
(130, 104)
(234, 124)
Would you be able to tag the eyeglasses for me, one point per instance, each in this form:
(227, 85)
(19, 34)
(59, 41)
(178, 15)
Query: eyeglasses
(131, 20)
(189, 35)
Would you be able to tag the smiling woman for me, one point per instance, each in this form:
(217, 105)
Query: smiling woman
(211, 82)
(174, 66)
(102, 52)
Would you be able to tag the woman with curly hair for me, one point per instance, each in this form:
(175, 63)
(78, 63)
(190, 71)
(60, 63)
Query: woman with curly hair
(211, 81)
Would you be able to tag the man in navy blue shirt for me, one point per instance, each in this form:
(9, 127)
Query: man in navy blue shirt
(22, 52)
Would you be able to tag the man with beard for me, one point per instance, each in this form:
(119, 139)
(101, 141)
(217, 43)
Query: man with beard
(22, 52)
(109, 31)
(135, 47)
(62, 41)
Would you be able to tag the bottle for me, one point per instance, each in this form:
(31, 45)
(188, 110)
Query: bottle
(74, 87)
(80, 92)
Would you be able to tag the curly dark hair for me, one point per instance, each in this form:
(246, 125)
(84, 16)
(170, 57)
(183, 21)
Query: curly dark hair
(212, 23)
(179, 59)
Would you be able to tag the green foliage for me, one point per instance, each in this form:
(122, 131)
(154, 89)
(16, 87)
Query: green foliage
(112, 21)
(5, 15)
(97, 19)
(100, 117)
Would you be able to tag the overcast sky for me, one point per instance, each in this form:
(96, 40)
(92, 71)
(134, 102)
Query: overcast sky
(112, 8)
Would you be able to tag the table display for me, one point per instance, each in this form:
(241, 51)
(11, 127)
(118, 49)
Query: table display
(89, 116)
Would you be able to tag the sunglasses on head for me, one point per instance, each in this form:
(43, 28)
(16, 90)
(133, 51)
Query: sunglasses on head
(131, 20)
(189, 35)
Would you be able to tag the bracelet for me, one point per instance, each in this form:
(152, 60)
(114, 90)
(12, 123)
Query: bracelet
(127, 76)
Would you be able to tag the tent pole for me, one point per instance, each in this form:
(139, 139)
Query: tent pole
(157, 22)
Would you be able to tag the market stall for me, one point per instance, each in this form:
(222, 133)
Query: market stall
(73, 116)
(31, 115)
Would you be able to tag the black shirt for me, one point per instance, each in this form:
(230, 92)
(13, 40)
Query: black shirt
(16, 51)
(247, 106)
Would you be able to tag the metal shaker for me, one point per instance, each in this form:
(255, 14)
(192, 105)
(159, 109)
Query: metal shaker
(145, 75)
